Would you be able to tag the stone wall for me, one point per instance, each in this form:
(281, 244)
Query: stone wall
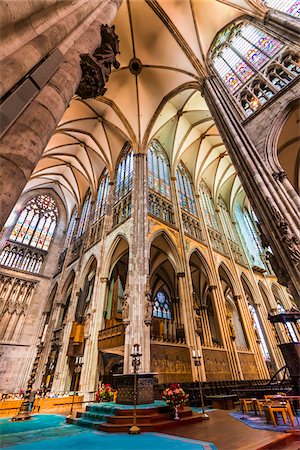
(216, 365)
(248, 366)
(172, 363)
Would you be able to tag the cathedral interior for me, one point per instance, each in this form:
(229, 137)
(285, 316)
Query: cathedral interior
(149, 191)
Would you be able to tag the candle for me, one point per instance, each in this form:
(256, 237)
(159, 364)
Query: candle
(198, 353)
(194, 354)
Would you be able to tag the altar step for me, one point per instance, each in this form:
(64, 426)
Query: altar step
(115, 420)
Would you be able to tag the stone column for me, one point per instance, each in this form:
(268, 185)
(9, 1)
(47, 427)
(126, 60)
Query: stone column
(24, 142)
(285, 23)
(276, 214)
(185, 287)
(137, 332)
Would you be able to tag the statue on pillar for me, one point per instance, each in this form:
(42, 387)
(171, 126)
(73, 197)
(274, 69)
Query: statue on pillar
(230, 325)
(96, 68)
(199, 329)
(149, 307)
(125, 308)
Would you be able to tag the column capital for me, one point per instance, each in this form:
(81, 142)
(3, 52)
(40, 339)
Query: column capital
(180, 274)
(237, 297)
(103, 280)
(212, 287)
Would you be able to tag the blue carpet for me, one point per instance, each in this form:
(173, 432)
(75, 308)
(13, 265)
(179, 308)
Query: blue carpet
(260, 423)
(50, 432)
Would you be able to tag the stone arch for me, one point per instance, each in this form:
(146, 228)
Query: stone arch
(204, 262)
(108, 257)
(274, 138)
(176, 261)
(265, 296)
(229, 278)
(248, 288)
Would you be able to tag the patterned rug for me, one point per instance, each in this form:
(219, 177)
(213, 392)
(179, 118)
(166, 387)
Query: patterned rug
(260, 422)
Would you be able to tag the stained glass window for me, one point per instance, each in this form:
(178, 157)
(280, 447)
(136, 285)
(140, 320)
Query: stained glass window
(70, 229)
(124, 176)
(158, 171)
(243, 56)
(291, 7)
(36, 223)
(84, 216)
(249, 235)
(161, 307)
(229, 227)
(259, 332)
(206, 202)
(185, 189)
(100, 206)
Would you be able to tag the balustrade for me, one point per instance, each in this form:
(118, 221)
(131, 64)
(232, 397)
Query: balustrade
(161, 208)
(217, 241)
(122, 210)
(61, 261)
(96, 232)
(111, 337)
(192, 226)
(21, 257)
(76, 249)
(237, 252)
(166, 330)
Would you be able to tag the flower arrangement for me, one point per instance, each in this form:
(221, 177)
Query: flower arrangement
(175, 395)
(105, 393)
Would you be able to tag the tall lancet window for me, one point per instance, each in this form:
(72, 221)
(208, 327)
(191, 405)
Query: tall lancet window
(70, 229)
(31, 236)
(100, 206)
(185, 189)
(124, 179)
(252, 64)
(36, 223)
(161, 306)
(84, 216)
(124, 176)
(158, 170)
(206, 201)
(291, 7)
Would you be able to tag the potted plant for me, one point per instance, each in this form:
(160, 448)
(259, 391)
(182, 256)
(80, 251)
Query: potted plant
(105, 393)
(175, 396)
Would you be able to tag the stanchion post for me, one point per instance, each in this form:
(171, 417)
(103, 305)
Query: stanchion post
(197, 363)
(136, 362)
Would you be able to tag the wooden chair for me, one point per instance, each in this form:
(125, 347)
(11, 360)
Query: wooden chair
(271, 410)
(246, 404)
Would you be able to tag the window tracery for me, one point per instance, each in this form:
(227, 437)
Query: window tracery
(124, 180)
(31, 236)
(161, 306)
(36, 223)
(158, 171)
(250, 63)
(70, 229)
(185, 189)
(101, 201)
(84, 216)
(206, 202)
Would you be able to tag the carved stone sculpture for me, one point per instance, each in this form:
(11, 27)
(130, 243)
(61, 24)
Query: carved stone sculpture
(230, 325)
(96, 68)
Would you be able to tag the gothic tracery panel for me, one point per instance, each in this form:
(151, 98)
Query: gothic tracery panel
(15, 298)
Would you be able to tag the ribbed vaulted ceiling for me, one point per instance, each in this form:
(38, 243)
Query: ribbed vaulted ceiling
(171, 39)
